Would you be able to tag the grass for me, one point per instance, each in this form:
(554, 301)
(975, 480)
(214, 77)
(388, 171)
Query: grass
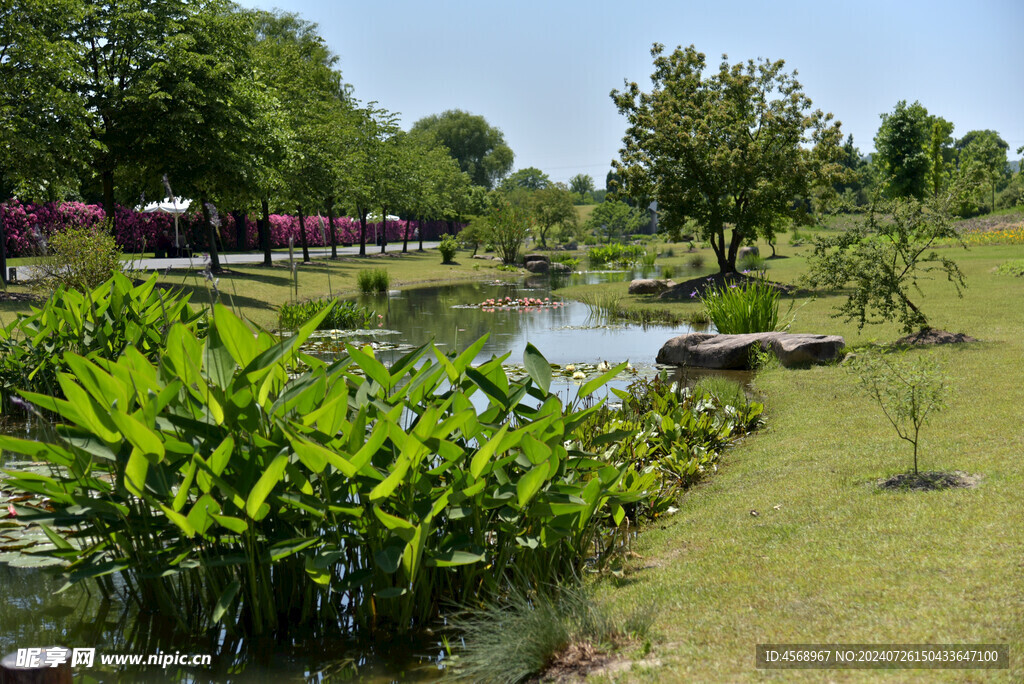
(257, 291)
(373, 280)
(828, 557)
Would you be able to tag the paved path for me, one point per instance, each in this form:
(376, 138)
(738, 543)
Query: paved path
(257, 257)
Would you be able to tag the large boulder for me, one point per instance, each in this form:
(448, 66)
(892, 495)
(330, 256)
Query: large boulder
(538, 266)
(558, 267)
(649, 286)
(747, 251)
(536, 257)
(711, 350)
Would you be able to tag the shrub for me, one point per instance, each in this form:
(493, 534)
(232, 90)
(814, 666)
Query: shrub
(509, 226)
(615, 254)
(239, 480)
(748, 308)
(1013, 267)
(342, 316)
(78, 258)
(667, 271)
(753, 262)
(648, 258)
(448, 247)
(883, 259)
(908, 390)
(519, 636)
(99, 325)
(373, 280)
(695, 261)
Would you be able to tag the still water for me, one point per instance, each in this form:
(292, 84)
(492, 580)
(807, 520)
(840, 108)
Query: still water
(33, 614)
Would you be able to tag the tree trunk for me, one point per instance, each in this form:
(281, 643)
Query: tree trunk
(3, 241)
(420, 229)
(268, 259)
(302, 237)
(330, 222)
(405, 237)
(362, 231)
(108, 199)
(241, 239)
(211, 236)
(384, 229)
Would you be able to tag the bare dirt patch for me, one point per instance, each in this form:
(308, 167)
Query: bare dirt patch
(574, 663)
(931, 336)
(930, 481)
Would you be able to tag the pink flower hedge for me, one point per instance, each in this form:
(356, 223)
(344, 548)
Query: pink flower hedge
(29, 225)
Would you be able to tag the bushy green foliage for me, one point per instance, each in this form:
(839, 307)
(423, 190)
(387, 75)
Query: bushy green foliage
(668, 271)
(99, 324)
(448, 247)
(883, 260)
(750, 307)
(342, 316)
(752, 262)
(1013, 267)
(667, 436)
(78, 258)
(238, 480)
(907, 388)
(615, 254)
(373, 280)
(509, 226)
(695, 261)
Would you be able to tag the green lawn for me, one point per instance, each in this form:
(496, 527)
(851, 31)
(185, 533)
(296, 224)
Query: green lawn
(828, 557)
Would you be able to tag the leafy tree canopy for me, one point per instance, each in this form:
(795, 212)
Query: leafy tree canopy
(581, 184)
(730, 148)
(911, 150)
(478, 147)
(530, 178)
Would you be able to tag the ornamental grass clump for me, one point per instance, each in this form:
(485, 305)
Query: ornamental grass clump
(342, 315)
(750, 307)
(373, 280)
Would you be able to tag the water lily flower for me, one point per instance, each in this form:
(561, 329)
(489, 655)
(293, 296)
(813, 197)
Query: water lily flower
(570, 368)
(579, 375)
(602, 367)
(629, 366)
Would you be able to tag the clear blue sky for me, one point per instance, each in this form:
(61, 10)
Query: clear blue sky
(541, 71)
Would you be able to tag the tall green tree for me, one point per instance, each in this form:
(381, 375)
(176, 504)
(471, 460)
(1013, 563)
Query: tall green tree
(613, 218)
(479, 148)
(581, 184)
(911, 150)
(530, 178)
(553, 206)
(734, 147)
(983, 155)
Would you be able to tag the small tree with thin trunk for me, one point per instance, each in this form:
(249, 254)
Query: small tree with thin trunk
(907, 390)
(882, 261)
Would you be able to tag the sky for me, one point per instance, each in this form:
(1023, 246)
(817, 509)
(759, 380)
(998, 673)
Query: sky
(542, 71)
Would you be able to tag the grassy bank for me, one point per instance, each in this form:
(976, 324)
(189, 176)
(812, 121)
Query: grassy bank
(256, 292)
(828, 557)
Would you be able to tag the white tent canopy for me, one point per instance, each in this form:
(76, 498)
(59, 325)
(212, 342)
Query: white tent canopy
(170, 205)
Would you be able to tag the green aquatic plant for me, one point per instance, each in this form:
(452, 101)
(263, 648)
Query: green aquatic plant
(236, 480)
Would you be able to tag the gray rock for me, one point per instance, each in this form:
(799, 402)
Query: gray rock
(747, 251)
(710, 350)
(536, 257)
(557, 267)
(538, 266)
(649, 286)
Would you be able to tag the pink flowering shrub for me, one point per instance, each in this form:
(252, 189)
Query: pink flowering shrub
(26, 224)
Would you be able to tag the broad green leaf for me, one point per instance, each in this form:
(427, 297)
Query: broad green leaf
(225, 601)
(271, 476)
(389, 558)
(538, 367)
(530, 483)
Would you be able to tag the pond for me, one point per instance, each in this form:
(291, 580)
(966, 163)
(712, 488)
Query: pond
(33, 614)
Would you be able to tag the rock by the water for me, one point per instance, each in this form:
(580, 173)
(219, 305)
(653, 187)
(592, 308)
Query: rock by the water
(711, 350)
(538, 266)
(558, 267)
(649, 286)
(536, 257)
